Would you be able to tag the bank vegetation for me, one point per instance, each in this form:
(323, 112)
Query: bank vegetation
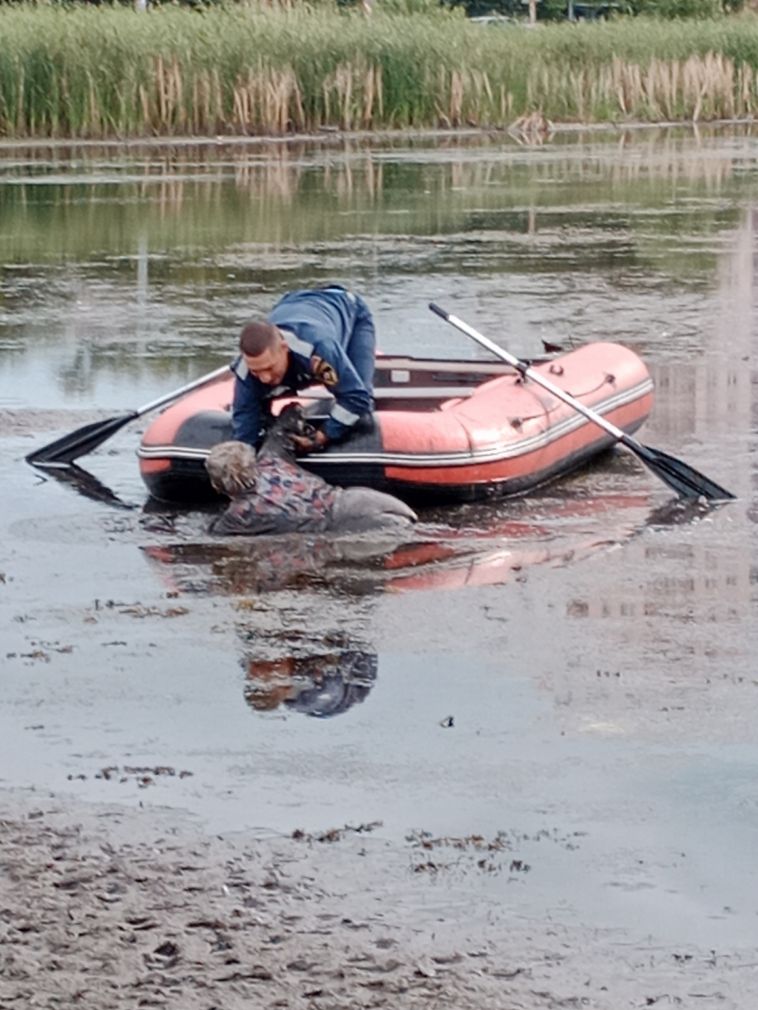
(115, 72)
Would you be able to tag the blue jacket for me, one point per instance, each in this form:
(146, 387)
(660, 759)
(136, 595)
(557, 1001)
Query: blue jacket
(330, 334)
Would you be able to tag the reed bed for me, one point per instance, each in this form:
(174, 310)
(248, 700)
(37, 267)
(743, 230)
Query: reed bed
(110, 72)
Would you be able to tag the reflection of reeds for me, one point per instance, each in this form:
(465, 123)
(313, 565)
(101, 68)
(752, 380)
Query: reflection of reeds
(85, 73)
(268, 188)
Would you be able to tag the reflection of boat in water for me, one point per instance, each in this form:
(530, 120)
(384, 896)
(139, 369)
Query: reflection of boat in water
(443, 559)
(276, 564)
(442, 431)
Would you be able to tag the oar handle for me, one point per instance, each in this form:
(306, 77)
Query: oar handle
(530, 373)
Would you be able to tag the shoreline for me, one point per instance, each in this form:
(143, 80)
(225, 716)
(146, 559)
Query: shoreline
(337, 136)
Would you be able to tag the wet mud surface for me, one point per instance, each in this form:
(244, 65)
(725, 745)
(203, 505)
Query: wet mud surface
(507, 762)
(135, 910)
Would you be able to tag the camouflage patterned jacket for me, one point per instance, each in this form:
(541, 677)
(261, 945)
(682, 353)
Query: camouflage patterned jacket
(284, 499)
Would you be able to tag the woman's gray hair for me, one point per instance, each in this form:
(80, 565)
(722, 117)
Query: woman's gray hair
(231, 467)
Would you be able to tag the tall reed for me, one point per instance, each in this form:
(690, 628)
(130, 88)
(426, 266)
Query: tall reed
(102, 72)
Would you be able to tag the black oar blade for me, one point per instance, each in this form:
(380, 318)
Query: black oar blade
(684, 479)
(68, 448)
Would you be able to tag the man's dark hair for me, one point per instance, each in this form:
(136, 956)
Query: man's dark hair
(256, 338)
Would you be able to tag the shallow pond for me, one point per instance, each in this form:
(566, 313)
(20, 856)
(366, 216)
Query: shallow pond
(574, 669)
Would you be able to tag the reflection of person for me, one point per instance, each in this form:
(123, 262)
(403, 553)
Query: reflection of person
(272, 494)
(325, 335)
(320, 686)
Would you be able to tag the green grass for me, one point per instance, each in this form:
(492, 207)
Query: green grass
(104, 72)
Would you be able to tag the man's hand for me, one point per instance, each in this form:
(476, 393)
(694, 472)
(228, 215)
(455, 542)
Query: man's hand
(309, 443)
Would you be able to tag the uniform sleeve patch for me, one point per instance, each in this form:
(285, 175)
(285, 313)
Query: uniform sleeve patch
(323, 371)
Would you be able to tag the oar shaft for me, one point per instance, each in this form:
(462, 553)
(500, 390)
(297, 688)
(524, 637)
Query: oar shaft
(530, 373)
(63, 451)
(224, 370)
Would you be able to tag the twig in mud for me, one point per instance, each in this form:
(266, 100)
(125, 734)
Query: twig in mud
(335, 834)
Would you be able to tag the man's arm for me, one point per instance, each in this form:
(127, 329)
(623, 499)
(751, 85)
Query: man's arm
(331, 365)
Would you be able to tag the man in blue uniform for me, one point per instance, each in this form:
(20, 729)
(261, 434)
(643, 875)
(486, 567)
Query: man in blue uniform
(324, 335)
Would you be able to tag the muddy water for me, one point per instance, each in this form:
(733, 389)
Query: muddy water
(574, 670)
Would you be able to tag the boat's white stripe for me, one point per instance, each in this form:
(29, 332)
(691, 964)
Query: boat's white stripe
(400, 393)
(456, 459)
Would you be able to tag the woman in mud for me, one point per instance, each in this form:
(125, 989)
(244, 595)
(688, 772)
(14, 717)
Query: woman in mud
(270, 493)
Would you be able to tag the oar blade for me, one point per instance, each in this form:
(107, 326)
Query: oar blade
(680, 476)
(78, 443)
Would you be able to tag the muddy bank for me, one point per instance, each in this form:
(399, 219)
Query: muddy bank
(100, 908)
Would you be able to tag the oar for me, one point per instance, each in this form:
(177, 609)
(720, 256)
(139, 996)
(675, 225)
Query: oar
(683, 479)
(65, 450)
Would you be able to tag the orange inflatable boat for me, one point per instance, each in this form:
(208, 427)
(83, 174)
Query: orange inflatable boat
(442, 431)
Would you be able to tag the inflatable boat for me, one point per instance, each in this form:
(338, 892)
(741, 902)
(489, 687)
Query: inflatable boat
(442, 430)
